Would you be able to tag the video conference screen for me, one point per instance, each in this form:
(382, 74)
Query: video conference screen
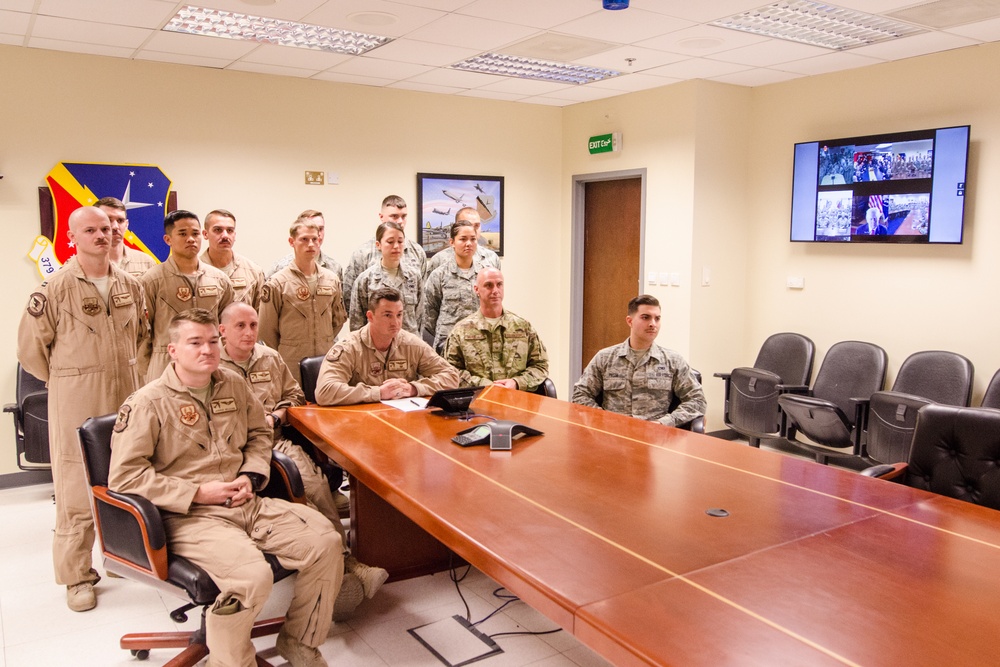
(904, 187)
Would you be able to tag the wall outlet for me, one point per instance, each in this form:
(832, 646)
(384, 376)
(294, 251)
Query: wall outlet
(314, 178)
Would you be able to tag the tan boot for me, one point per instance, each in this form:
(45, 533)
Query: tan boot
(81, 597)
(371, 578)
(352, 593)
(298, 654)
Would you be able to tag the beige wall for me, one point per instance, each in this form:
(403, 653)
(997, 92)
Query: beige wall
(242, 141)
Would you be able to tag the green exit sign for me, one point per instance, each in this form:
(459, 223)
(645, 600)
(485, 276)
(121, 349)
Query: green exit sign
(605, 143)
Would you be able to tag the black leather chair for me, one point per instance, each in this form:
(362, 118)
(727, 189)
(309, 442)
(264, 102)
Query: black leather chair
(31, 421)
(991, 399)
(134, 546)
(954, 452)
(925, 377)
(832, 412)
(751, 407)
(546, 388)
(309, 371)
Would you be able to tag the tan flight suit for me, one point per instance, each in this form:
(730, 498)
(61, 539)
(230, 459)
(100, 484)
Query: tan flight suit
(274, 386)
(136, 262)
(246, 278)
(169, 292)
(297, 322)
(353, 370)
(87, 353)
(165, 446)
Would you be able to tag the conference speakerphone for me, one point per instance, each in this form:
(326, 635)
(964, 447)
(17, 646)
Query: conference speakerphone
(500, 434)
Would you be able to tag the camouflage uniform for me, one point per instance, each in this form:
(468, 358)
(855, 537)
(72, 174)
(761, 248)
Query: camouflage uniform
(87, 354)
(448, 297)
(246, 277)
(165, 446)
(484, 256)
(510, 350)
(136, 262)
(354, 370)
(169, 292)
(374, 277)
(297, 322)
(325, 261)
(274, 386)
(368, 255)
(643, 391)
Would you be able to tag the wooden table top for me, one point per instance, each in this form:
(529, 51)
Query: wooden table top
(601, 525)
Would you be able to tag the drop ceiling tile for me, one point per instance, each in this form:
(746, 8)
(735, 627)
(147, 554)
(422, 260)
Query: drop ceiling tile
(624, 27)
(759, 76)
(80, 47)
(18, 5)
(343, 77)
(987, 31)
(292, 56)
(874, 6)
(380, 69)
(425, 88)
(73, 30)
(289, 10)
(831, 62)
(136, 13)
(549, 101)
(199, 45)
(183, 59)
(11, 40)
(696, 68)
(533, 13)
(633, 82)
(454, 77)
(491, 95)
(701, 40)
(422, 53)
(616, 59)
(441, 5)
(583, 93)
(350, 15)
(14, 23)
(908, 47)
(506, 84)
(277, 70)
(770, 52)
(699, 12)
(471, 32)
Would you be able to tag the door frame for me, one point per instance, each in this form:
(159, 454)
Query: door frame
(578, 204)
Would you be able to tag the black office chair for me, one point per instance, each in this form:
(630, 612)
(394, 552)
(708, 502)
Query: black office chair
(31, 421)
(546, 388)
(924, 378)
(134, 545)
(954, 452)
(832, 412)
(751, 394)
(991, 399)
(309, 371)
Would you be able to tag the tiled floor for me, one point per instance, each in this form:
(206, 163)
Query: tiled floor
(37, 630)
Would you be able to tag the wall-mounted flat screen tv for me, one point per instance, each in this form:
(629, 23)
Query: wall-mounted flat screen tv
(903, 187)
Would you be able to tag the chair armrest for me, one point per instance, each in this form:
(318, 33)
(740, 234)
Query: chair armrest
(792, 389)
(284, 468)
(10, 407)
(146, 517)
(724, 376)
(886, 471)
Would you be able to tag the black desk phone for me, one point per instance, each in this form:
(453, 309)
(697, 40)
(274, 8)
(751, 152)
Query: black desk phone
(498, 435)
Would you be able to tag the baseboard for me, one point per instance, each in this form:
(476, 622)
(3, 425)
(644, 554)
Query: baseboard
(25, 478)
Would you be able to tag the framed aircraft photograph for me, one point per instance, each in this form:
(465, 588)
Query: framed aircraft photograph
(441, 196)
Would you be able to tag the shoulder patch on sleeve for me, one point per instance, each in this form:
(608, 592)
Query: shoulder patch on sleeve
(265, 293)
(122, 422)
(36, 304)
(334, 353)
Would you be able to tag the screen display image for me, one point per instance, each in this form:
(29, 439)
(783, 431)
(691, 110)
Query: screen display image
(905, 187)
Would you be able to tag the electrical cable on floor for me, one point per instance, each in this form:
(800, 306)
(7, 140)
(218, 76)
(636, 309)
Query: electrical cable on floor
(453, 575)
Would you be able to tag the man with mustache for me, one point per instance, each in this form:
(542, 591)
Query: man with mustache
(81, 334)
(129, 260)
(638, 377)
(246, 277)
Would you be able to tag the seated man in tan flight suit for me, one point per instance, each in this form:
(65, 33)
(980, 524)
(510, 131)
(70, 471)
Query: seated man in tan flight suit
(195, 443)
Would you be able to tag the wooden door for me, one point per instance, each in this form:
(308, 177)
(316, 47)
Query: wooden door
(612, 230)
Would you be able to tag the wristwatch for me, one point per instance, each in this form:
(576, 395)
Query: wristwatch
(257, 481)
(276, 418)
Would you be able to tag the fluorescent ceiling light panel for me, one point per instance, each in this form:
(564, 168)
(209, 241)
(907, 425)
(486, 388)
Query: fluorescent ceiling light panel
(217, 23)
(818, 24)
(530, 68)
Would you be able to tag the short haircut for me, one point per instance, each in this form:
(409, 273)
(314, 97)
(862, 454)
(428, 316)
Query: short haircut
(174, 216)
(195, 316)
(308, 214)
(386, 226)
(463, 210)
(383, 294)
(299, 225)
(110, 202)
(233, 306)
(642, 300)
(395, 201)
(222, 213)
(455, 226)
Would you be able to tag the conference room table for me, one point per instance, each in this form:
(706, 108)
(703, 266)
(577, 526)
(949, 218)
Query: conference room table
(657, 546)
